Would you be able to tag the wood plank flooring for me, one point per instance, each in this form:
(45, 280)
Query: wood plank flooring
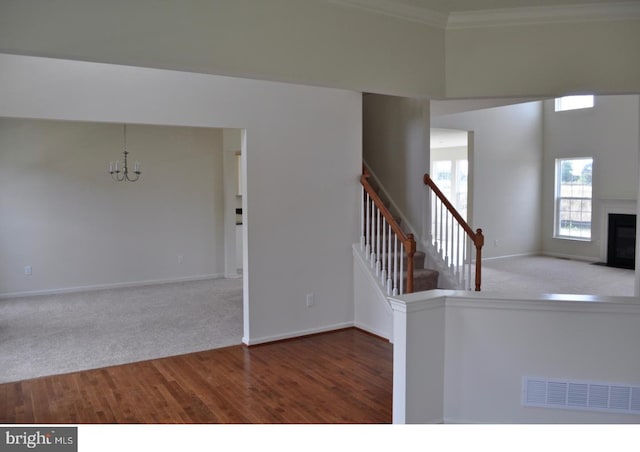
(339, 377)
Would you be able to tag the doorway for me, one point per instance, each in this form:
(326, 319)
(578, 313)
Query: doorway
(113, 272)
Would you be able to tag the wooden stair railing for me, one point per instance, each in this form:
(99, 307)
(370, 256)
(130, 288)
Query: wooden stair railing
(448, 237)
(384, 243)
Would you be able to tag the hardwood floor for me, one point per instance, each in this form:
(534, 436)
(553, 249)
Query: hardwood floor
(338, 377)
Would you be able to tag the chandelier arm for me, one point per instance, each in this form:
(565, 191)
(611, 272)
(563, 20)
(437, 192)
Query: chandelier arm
(131, 179)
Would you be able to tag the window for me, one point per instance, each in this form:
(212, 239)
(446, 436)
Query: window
(451, 177)
(574, 102)
(573, 198)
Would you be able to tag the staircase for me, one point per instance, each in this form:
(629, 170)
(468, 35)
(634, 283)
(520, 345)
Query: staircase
(390, 250)
(386, 262)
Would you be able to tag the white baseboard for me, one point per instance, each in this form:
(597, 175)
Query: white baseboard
(373, 331)
(425, 422)
(108, 286)
(299, 333)
(571, 257)
(460, 421)
(545, 253)
(532, 253)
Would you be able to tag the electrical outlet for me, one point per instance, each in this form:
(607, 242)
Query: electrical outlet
(310, 300)
(28, 270)
(495, 243)
(180, 259)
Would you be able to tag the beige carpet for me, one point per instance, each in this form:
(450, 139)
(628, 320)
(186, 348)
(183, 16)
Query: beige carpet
(48, 335)
(541, 274)
(55, 334)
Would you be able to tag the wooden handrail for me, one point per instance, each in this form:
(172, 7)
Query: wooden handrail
(407, 240)
(477, 237)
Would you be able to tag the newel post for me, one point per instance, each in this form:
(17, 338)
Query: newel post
(479, 242)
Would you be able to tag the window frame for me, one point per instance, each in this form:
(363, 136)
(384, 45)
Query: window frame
(557, 234)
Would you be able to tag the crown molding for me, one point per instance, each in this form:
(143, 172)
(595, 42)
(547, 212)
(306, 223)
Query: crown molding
(535, 15)
(398, 10)
(544, 15)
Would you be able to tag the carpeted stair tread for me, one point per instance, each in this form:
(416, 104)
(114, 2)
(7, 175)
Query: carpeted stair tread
(425, 279)
(418, 259)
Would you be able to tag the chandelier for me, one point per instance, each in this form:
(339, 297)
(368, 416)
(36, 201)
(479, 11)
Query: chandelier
(120, 170)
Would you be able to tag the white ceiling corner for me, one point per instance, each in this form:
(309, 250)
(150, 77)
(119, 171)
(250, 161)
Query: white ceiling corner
(398, 10)
(592, 12)
(483, 18)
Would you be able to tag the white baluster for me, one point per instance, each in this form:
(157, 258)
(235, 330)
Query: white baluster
(458, 253)
(389, 282)
(446, 238)
(384, 251)
(434, 221)
(441, 232)
(402, 253)
(362, 220)
(395, 266)
(469, 259)
(465, 264)
(437, 220)
(452, 239)
(378, 250)
(368, 226)
(431, 213)
(463, 234)
(372, 258)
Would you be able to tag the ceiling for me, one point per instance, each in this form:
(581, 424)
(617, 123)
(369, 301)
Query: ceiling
(447, 138)
(449, 6)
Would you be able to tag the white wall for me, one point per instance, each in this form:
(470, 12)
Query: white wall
(506, 174)
(300, 41)
(451, 106)
(372, 311)
(419, 331)
(396, 148)
(303, 158)
(490, 346)
(543, 59)
(322, 42)
(58, 204)
(610, 133)
(487, 344)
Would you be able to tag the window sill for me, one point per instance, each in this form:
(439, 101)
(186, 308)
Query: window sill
(574, 239)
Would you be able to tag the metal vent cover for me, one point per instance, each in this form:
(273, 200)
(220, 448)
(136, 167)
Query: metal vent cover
(580, 395)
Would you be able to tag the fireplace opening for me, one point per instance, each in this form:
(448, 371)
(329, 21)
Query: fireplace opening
(621, 244)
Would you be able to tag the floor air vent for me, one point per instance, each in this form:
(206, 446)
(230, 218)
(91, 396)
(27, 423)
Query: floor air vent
(580, 395)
